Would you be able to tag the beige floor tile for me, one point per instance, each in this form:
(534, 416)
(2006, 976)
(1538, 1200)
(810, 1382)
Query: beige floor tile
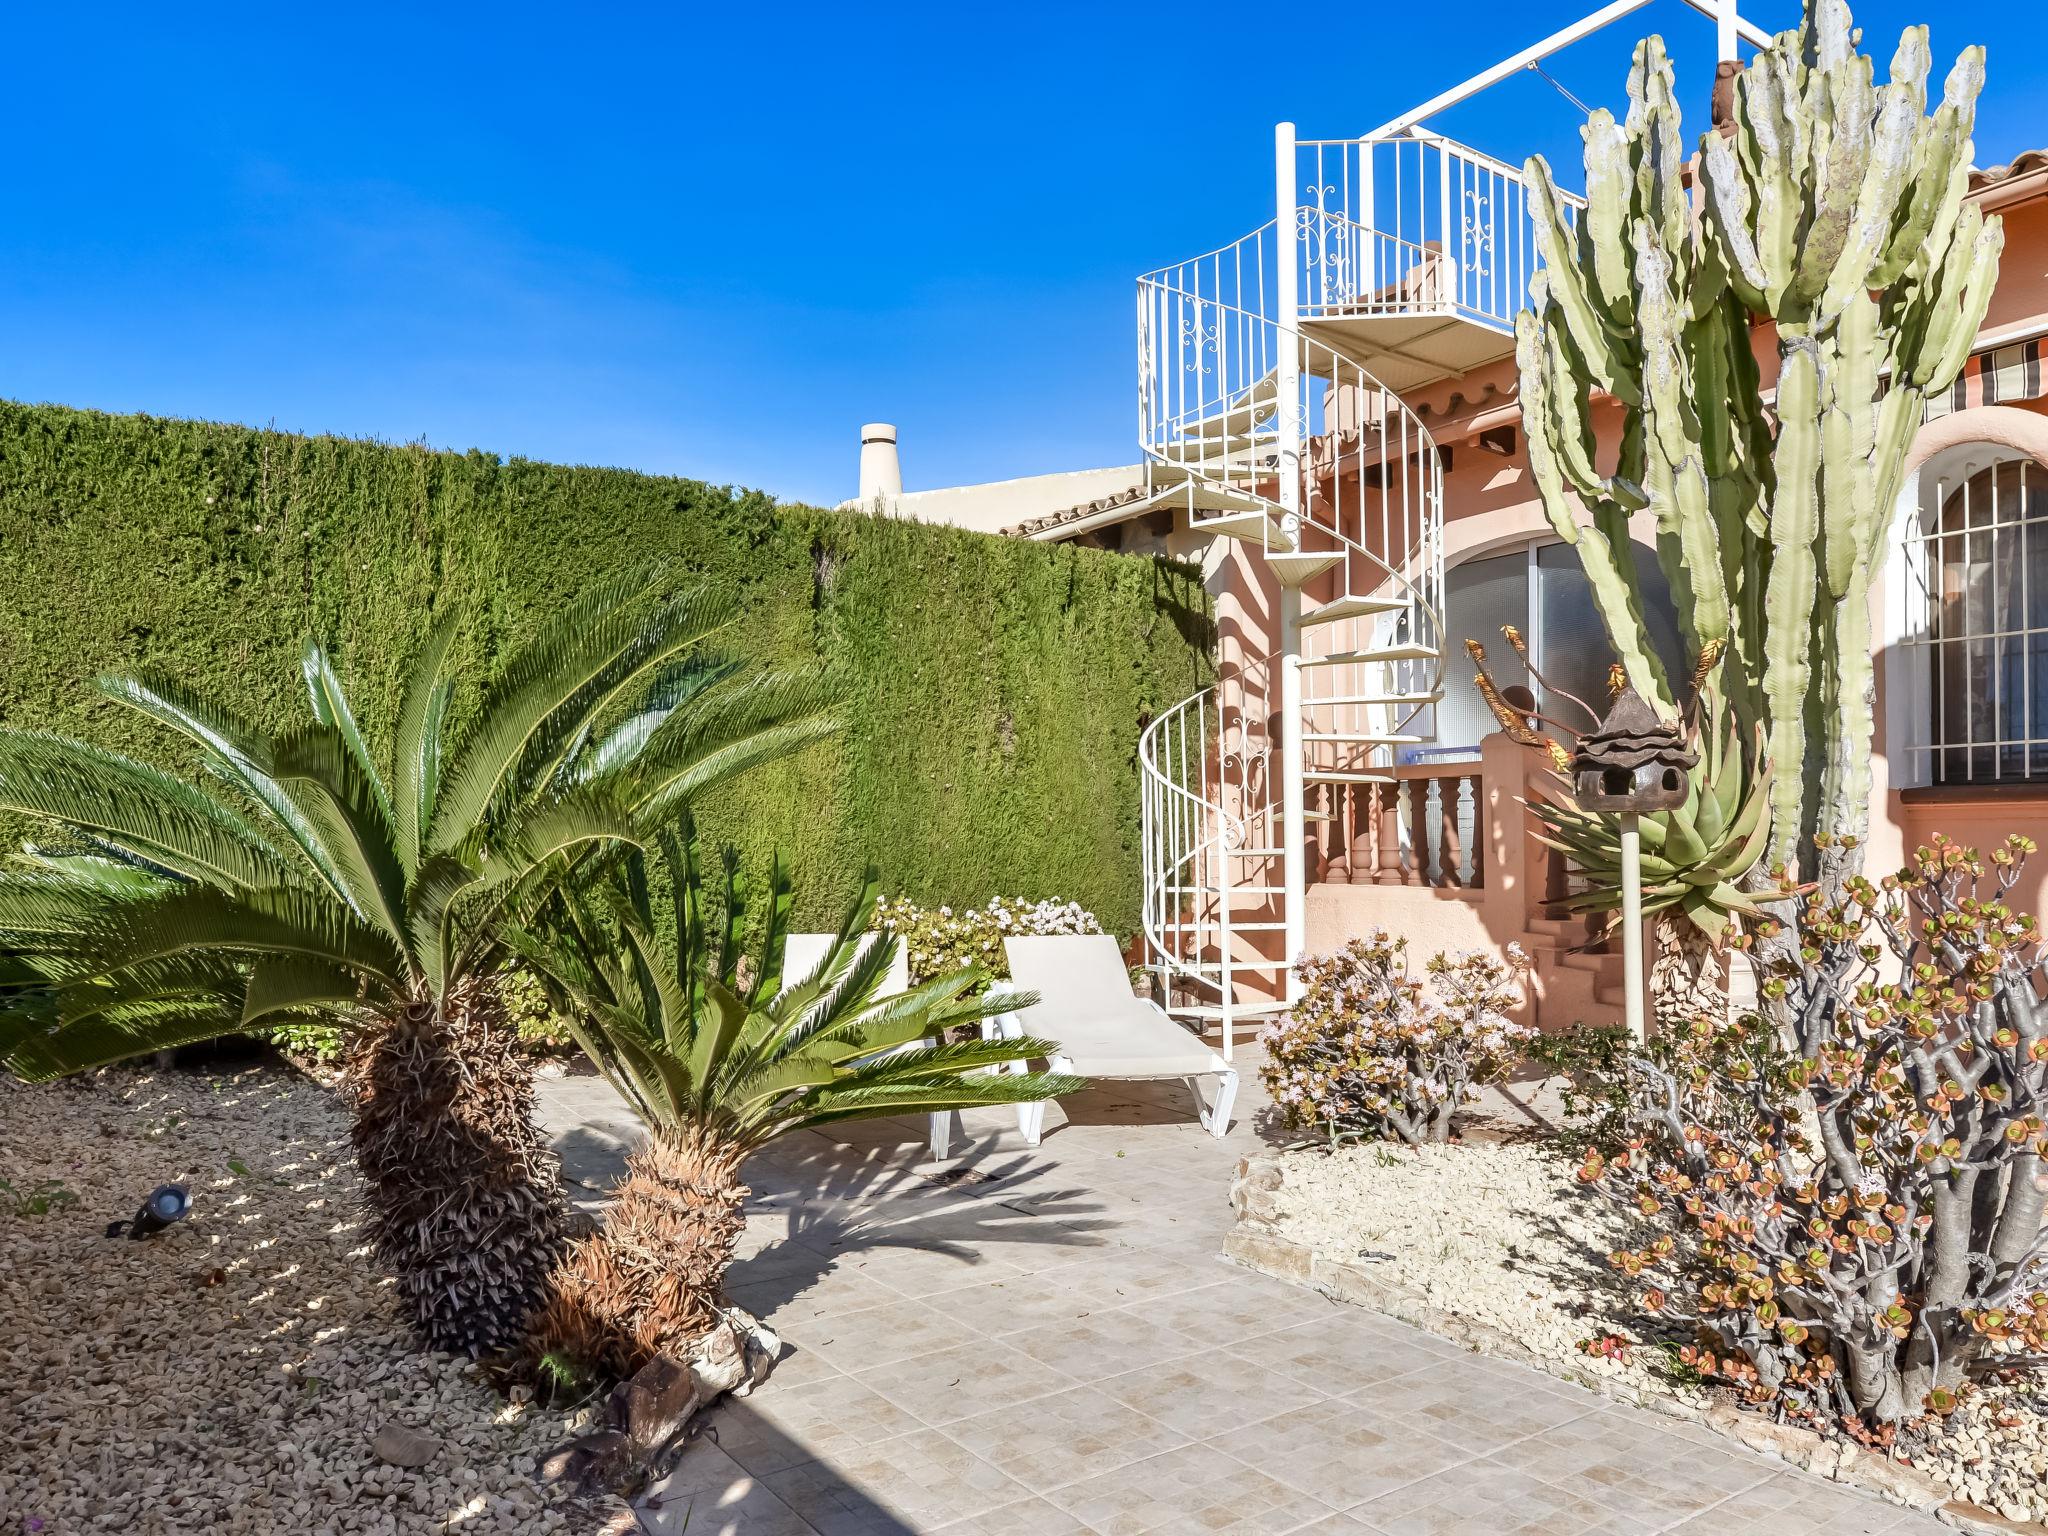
(1481, 1496)
(800, 1296)
(782, 1426)
(900, 1330)
(1796, 1505)
(1194, 1489)
(1346, 1351)
(1342, 1458)
(1064, 1438)
(959, 1383)
(1479, 1403)
(1018, 1302)
(1636, 1469)
(1027, 1517)
(709, 1494)
(1102, 1344)
(1209, 1394)
(1231, 1310)
(910, 1483)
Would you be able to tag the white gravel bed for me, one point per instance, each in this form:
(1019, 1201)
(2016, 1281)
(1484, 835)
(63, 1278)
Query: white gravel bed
(1504, 1235)
(229, 1373)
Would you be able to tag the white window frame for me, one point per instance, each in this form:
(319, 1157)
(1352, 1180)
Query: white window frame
(1914, 740)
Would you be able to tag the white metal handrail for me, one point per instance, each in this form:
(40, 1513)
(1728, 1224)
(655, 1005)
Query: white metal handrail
(1414, 224)
(1213, 396)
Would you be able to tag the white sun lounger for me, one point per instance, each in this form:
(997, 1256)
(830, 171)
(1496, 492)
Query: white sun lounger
(803, 953)
(1104, 1030)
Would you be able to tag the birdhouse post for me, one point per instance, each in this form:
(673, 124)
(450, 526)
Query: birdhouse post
(1634, 762)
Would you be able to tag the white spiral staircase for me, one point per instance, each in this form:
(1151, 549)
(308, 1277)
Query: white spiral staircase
(1264, 416)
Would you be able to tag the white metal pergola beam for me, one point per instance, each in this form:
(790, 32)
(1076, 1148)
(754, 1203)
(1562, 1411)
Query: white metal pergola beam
(1730, 25)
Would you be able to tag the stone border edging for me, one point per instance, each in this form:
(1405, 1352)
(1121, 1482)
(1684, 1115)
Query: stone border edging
(1257, 1243)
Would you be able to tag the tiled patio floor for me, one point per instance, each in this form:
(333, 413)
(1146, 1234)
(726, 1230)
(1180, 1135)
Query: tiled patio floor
(1037, 1342)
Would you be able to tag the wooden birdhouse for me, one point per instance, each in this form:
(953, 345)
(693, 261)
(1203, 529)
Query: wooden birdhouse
(1633, 762)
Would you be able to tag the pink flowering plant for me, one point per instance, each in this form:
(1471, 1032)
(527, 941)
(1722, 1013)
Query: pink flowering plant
(1370, 1051)
(1850, 1203)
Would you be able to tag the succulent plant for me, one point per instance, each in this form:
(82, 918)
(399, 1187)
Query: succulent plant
(1833, 212)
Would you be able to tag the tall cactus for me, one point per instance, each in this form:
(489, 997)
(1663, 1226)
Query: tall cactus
(1834, 212)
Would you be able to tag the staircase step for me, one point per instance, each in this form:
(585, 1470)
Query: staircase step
(1213, 1013)
(1239, 413)
(1255, 524)
(1364, 739)
(1352, 608)
(1253, 963)
(1332, 776)
(1207, 496)
(1403, 652)
(1255, 853)
(1292, 570)
(1371, 698)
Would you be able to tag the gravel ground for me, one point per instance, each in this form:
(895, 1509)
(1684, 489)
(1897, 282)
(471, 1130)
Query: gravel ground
(1502, 1233)
(230, 1373)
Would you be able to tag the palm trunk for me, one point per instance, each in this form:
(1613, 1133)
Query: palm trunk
(465, 1198)
(1688, 974)
(649, 1282)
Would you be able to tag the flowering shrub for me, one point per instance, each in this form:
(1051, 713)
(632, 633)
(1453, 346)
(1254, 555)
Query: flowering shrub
(1371, 1051)
(939, 940)
(1856, 1202)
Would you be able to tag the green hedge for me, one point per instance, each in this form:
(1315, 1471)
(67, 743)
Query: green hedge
(996, 687)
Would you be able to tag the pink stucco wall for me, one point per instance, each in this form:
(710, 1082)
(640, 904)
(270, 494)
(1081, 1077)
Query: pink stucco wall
(1490, 505)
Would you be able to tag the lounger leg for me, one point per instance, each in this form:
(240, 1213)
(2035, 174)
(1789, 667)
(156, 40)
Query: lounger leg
(942, 1123)
(1035, 1132)
(1008, 1026)
(1217, 1120)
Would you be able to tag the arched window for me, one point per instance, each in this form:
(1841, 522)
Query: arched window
(1985, 557)
(1542, 590)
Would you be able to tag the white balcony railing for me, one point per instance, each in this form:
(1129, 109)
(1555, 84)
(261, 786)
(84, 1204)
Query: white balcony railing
(1415, 225)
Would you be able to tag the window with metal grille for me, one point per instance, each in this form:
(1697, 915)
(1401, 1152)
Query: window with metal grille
(1976, 636)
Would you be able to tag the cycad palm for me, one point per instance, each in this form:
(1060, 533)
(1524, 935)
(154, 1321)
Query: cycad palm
(303, 880)
(721, 1053)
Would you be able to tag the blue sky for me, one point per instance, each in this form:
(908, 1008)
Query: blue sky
(713, 242)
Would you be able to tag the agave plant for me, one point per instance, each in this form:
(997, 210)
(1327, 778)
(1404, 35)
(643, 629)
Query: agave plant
(1698, 859)
(1695, 858)
(720, 1052)
(304, 879)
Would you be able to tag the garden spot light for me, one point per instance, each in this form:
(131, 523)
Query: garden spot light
(166, 1203)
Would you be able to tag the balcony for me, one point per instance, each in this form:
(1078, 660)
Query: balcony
(1413, 254)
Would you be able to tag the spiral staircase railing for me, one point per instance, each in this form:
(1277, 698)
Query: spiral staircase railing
(1361, 538)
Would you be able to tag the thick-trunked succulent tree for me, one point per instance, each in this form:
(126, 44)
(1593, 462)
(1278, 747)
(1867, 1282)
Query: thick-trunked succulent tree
(1832, 212)
(1856, 1212)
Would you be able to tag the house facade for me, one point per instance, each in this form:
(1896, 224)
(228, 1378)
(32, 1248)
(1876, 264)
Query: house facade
(1330, 424)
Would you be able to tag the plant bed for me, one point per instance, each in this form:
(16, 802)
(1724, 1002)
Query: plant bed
(243, 1369)
(1498, 1246)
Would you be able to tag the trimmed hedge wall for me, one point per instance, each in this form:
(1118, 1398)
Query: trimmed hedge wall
(997, 687)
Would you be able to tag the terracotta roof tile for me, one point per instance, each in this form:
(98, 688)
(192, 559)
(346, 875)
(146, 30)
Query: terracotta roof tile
(2020, 165)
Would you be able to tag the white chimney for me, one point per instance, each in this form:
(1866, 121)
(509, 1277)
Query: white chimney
(881, 472)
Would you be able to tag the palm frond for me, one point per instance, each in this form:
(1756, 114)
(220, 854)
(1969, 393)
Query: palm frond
(235, 750)
(196, 918)
(575, 666)
(416, 753)
(331, 709)
(673, 688)
(349, 813)
(293, 983)
(645, 678)
(40, 1054)
(733, 729)
(112, 799)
